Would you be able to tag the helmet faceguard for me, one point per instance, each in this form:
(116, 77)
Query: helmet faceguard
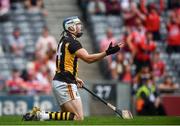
(73, 25)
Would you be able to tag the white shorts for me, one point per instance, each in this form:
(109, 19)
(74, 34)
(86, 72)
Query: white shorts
(64, 92)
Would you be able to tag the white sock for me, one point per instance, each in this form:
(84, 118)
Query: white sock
(44, 115)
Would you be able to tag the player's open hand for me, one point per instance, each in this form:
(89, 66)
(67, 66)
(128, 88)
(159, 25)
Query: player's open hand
(80, 82)
(114, 49)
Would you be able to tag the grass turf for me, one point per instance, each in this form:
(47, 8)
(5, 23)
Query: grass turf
(96, 120)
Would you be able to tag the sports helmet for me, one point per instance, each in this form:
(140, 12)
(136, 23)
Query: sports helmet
(70, 25)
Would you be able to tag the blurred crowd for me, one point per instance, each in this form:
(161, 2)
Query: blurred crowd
(40, 66)
(30, 5)
(37, 75)
(140, 63)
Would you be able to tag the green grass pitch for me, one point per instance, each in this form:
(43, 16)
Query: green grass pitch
(97, 120)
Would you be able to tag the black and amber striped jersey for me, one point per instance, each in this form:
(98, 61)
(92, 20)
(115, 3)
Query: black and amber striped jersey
(66, 60)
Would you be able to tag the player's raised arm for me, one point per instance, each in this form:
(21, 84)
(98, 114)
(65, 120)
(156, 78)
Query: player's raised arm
(90, 58)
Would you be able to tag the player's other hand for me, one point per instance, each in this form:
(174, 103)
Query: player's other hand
(80, 82)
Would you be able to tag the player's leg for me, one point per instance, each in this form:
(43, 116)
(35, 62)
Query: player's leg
(70, 110)
(74, 106)
(61, 93)
(68, 98)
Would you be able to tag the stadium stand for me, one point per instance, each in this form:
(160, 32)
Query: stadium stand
(30, 25)
(100, 22)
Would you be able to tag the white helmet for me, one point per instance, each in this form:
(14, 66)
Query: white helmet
(70, 25)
